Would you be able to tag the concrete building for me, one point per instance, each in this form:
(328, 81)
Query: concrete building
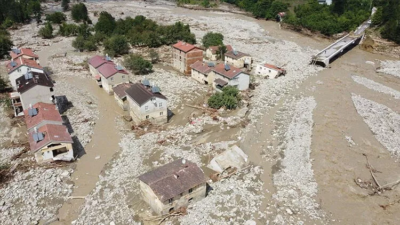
(50, 143)
(120, 95)
(238, 59)
(112, 75)
(33, 88)
(226, 75)
(211, 52)
(201, 71)
(41, 114)
(327, 2)
(147, 103)
(173, 186)
(25, 53)
(95, 62)
(19, 67)
(184, 55)
(269, 71)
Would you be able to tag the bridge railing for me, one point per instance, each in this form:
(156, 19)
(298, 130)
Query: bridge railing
(332, 44)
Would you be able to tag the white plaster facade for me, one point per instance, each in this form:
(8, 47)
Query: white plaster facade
(203, 78)
(155, 110)
(109, 83)
(21, 71)
(241, 81)
(52, 152)
(239, 63)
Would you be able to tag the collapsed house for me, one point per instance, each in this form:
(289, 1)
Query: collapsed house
(184, 55)
(147, 103)
(173, 186)
(51, 142)
(238, 59)
(269, 71)
(228, 161)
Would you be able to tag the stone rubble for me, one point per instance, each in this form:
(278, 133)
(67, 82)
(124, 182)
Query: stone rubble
(7, 153)
(390, 67)
(376, 86)
(383, 122)
(5, 123)
(295, 182)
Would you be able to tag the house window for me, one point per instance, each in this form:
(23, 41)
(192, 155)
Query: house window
(146, 108)
(161, 113)
(190, 190)
(147, 116)
(28, 69)
(160, 104)
(19, 70)
(112, 78)
(269, 71)
(123, 76)
(170, 200)
(51, 89)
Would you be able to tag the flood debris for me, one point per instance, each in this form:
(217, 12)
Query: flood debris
(232, 158)
(390, 67)
(376, 86)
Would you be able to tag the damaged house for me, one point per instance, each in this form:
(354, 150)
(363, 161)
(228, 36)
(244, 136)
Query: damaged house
(19, 67)
(41, 114)
(226, 75)
(269, 71)
(51, 142)
(25, 53)
(212, 52)
(120, 95)
(238, 59)
(184, 55)
(201, 71)
(35, 87)
(173, 186)
(147, 103)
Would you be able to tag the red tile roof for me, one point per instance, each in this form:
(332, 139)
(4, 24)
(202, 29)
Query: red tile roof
(53, 134)
(231, 73)
(120, 89)
(201, 67)
(21, 52)
(235, 54)
(173, 179)
(46, 111)
(109, 69)
(215, 48)
(185, 47)
(97, 61)
(273, 67)
(22, 62)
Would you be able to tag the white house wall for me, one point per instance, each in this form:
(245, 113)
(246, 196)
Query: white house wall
(152, 110)
(113, 81)
(264, 71)
(241, 81)
(21, 71)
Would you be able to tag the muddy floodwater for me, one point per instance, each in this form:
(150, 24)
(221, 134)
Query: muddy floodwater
(313, 146)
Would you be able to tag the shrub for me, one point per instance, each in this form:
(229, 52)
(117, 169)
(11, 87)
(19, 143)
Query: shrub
(116, 45)
(5, 44)
(68, 29)
(137, 64)
(57, 17)
(212, 39)
(106, 23)
(79, 43)
(46, 31)
(228, 98)
(79, 12)
(65, 5)
(154, 56)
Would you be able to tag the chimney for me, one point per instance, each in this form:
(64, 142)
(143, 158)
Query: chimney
(35, 129)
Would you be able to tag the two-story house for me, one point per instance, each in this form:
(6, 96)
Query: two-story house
(33, 88)
(201, 71)
(147, 103)
(172, 186)
(51, 142)
(269, 71)
(19, 67)
(25, 53)
(112, 75)
(229, 75)
(184, 55)
(211, 52)
(238, 59)
(95, 62)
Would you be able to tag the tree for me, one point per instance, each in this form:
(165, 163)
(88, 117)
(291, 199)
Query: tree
(35, 9)
(68, 29)
(79, 43)
(79, 12)
(106, 23)
(212, 39)
(65, 5)
(221, 52)
(5, 44)
(116, 45)
(46, 31)
(154, 56)
(3, 84)
(57, 17)
(137, 64)
(229, 98)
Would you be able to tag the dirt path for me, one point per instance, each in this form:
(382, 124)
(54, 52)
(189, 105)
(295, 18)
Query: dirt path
(104, 141)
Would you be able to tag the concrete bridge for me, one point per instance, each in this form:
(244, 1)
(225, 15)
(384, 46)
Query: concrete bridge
(341, 46)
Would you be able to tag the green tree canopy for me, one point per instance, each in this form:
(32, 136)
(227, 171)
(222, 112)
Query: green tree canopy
(79, 12)
(116, 45)
(5, 44)
(57, 17)
(46, 31)
(137, 64)
(65, 5)
(106, 23)
(229, 98)
(212, 39)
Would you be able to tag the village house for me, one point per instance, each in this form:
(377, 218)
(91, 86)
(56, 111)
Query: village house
(120, 95)
(25, 53)
(238, 59)
(211, 52)
(269, 71)
(112, 75)
(201, 72)
(147, 103)
(184, 55)
(51, 142)
(33, 88)
(19, 67)
(173, 186)
(41, 114)
(95, 62)
(226, 75)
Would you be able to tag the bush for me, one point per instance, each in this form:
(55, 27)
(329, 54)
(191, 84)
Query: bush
(57, 17)
(212, 39)
(106, 23)
(46, 31)
(79, 43)
(3, 84)
(154, 56)
(228, 98)
(116, 45)
(5, 44)
(65, 5)
(68, 30)
(79, 12)
(137, 64)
